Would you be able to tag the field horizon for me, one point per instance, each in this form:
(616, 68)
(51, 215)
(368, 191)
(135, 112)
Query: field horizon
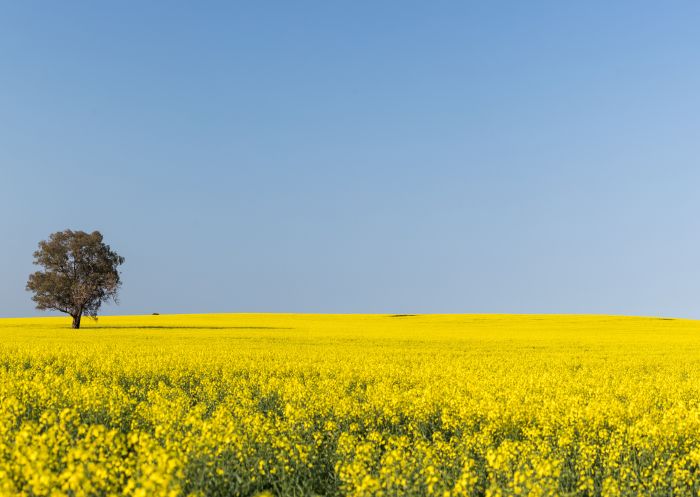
(95, 323)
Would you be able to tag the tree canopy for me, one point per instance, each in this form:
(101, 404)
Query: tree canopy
(80, 273)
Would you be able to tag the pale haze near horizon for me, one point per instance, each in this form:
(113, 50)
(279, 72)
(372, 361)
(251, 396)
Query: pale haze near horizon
(398, 157)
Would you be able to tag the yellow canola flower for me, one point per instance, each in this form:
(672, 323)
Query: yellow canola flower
(350, 405)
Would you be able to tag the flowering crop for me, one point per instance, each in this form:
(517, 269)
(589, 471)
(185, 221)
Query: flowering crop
(356, 405)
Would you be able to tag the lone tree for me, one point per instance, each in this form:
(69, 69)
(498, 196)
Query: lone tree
(80, 274)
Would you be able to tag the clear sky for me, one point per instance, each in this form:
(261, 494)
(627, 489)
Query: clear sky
(402, 157)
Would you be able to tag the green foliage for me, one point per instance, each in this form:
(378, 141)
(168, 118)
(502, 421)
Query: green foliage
(80, 274)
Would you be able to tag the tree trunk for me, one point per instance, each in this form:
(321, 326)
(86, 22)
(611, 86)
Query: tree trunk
(76, 321)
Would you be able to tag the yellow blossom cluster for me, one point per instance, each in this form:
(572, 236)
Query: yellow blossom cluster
(350, 405)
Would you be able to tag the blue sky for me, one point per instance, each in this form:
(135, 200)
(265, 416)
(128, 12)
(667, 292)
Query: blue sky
(359, 156)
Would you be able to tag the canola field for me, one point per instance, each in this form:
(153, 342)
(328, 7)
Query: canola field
(350, 405)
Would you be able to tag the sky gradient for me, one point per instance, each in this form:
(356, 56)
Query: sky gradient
(399, 157)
